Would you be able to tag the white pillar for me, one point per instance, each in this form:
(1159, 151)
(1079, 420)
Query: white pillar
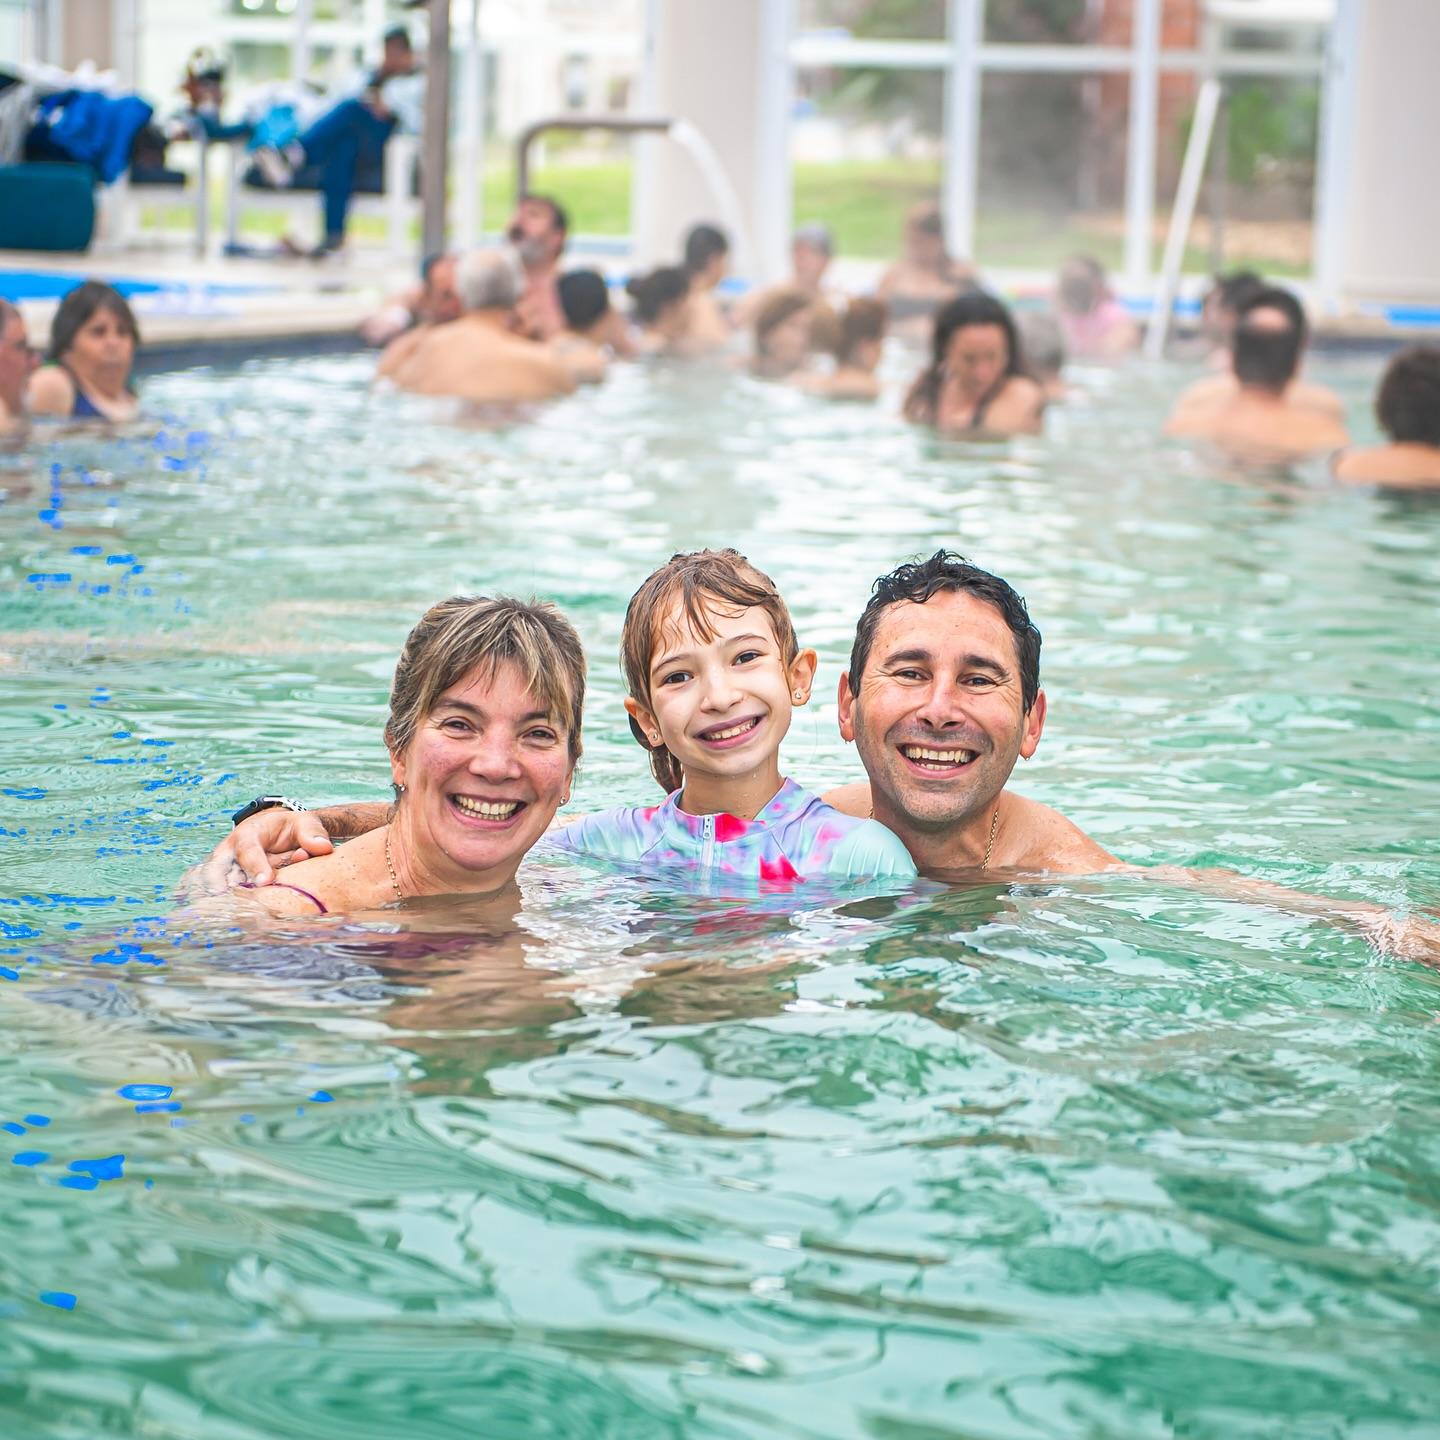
(1332, 168)
(722, 65)
(961, 180)
(300, 40)
(1380, 176)
(1140, 151)
(470, 176)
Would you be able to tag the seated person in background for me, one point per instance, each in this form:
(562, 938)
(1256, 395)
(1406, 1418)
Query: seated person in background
(478, 357)
(976, 380)
(1256, 419)
(17, 362)
(1408, 408)
(583, 345)
(661, 309)
(538, 230)
(86, 375)
(204, 91)
(434, 301)
(926, 275)
(349, 138)
(858, 341)
(811, 248)
(785, 334)
(1096, 326)
(707, 262)
(1043, 342)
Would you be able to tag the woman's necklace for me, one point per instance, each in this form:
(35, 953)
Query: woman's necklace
(400, 894)
(984, 864)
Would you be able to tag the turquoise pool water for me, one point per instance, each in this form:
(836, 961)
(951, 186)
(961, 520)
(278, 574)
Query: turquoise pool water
(1100, 1158)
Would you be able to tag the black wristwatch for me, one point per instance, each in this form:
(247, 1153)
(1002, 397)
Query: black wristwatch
(264, 802)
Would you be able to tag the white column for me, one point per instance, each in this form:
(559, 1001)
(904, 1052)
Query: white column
(1140, 150)
(124, 40)
(772, 207)
(300, 40)
(1332, 169)
(645, 208)
(961, 180)
(470, 176)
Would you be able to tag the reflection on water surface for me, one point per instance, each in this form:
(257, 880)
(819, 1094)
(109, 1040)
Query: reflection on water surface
(1101, 1157)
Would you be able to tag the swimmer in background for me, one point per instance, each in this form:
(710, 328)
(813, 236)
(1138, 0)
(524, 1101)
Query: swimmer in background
(707, 262)
(1226, 298)
(1408, 408)
(434, 301)
(478, 357)
(17, 363)
(1095, 324)
(86, 374)
(1255, 420)
(811, 249)
(976, 382)
(713, 670)
(586, 343)
(926, 275)
(1043, 343)
(785, 335)
(661, 307)
(858, 342)
(538, 230)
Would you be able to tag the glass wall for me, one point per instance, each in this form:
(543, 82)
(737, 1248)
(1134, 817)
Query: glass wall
(865, 145)
(875, 19)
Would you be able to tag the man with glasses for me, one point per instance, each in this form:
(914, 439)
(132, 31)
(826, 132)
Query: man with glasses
(17, 362)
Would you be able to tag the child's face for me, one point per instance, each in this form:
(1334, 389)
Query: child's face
(722, 706)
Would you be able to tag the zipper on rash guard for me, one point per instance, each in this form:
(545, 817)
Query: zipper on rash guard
(707, 848)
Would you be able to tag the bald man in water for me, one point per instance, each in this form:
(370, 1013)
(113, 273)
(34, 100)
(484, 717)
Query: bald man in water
(1262, 415)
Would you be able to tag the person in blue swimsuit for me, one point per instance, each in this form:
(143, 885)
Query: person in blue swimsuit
(86, 374)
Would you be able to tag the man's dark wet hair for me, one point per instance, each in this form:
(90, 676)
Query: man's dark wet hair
(584, 297)
(1268, 359)
(944, 573)
(558, 217)
(1408, 404)
(702, 244)
(1235, 287)
(397, 35)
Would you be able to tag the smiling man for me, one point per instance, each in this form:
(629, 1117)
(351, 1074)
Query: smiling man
(942, 698)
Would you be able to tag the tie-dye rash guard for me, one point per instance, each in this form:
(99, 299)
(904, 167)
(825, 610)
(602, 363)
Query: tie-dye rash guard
(797, 836)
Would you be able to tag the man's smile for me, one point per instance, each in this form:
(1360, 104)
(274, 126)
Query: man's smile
(936, 760)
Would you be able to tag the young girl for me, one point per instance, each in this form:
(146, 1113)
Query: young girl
(713, 669)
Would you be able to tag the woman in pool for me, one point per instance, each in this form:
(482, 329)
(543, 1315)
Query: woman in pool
(484, 735)
(713, 670)
(784, 335)
(86, 375)
(662, 309)
(857, 342)
(976, 381)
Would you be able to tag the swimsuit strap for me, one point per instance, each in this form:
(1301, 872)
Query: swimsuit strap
(281, 885)
(84, 408)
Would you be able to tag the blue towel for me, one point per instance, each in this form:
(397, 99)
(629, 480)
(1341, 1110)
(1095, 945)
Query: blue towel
(98, 130)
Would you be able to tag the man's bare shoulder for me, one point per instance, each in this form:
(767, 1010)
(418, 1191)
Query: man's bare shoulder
(1051, 842)
(852, 798)
(1397, 465)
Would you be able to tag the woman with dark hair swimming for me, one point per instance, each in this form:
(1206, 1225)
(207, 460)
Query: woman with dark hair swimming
(86, 375)
(976, 380)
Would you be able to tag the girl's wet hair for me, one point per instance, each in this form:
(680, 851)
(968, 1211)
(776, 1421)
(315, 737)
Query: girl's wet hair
(691, 582)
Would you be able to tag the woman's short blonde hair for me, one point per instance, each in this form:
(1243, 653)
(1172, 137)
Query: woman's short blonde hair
(467, 634)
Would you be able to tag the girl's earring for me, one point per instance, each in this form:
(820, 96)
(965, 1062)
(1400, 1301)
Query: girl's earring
(799, 694)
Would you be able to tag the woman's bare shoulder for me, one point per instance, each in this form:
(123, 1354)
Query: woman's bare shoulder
(51, 392)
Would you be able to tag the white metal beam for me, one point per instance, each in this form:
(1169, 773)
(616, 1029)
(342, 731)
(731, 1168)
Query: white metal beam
(1332, 169)
(773, 203)
(961, 180)
(1140, 150)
